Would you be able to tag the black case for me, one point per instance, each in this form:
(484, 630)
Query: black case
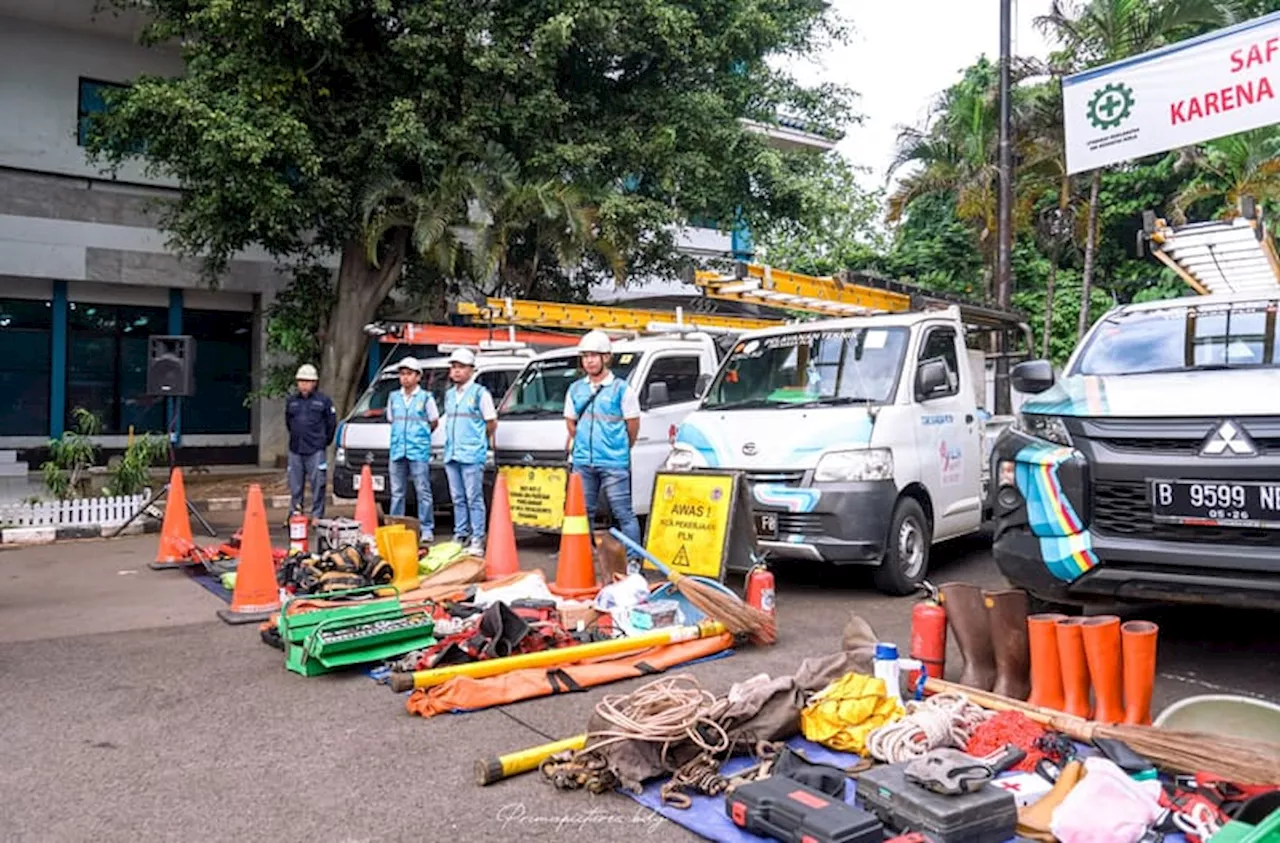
(786, 810)
(988, 816)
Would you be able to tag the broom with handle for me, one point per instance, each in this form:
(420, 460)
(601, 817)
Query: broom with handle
(711, 598)
(1241, 760)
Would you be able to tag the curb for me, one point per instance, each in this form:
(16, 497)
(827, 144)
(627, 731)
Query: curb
(237, 504)
(49, 535)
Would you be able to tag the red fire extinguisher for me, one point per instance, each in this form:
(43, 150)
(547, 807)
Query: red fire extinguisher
(760, 592)
(299, 533)
(928, 634)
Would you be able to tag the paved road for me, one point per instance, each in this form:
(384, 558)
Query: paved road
(131, 713)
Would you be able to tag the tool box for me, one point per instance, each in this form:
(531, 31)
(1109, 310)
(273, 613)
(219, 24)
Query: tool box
(786, 810)
(988, 816)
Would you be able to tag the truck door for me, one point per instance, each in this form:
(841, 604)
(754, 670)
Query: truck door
(949, 439)
(675, 376)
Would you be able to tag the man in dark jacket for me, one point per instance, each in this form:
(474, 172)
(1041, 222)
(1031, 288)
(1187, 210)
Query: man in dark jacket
(311, 420)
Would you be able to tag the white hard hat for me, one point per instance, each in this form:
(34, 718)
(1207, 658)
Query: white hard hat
(409, 363)
(307, 372)
(465, 356)
(595, 341)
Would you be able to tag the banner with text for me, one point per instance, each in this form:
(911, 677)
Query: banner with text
(1187, 93)
(537, 495)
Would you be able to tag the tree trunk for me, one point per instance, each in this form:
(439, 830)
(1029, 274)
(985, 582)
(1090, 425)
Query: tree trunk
(1048, 308)
(360, 288)
(1090, 245)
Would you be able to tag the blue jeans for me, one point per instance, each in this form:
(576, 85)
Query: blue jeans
(466, 488)
(615, 483)
(400, 470)
(301, 469)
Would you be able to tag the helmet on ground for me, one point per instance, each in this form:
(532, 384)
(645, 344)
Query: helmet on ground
(307, 372)
(595, 342)
(463, 356)
(410, 363)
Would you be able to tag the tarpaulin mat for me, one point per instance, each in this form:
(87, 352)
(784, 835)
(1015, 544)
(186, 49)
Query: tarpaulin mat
(706, 817)
(211, 583)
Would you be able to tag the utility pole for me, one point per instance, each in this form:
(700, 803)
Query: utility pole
(1004, 242)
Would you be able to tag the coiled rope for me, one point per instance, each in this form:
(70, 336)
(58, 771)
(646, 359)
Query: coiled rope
(942, 720)
(667, 711)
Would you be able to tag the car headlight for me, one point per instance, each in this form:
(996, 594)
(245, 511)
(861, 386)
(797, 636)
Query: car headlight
(340, 455)
(681, 459)
(854, 466)
(1049, 428)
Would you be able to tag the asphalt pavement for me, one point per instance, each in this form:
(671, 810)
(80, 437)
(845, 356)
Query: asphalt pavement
(131, 712)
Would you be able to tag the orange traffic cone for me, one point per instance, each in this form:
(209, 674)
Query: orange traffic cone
(366, 508)
(576, 571)
(176, 542)
(257, 595)
(500, 558)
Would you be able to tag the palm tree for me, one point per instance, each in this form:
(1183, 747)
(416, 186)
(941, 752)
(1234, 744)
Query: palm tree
(1243, 164)
(1102, 31)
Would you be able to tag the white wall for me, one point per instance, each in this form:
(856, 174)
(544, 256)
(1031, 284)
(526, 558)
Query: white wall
(40, 69)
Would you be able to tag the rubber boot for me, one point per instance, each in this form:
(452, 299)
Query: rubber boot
(1007, 610)
(1046, 668)
(1102, 649)
(1138, 642)
(1075, 667)
(968, 618)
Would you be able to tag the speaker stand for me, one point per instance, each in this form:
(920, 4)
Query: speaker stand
(164, 490)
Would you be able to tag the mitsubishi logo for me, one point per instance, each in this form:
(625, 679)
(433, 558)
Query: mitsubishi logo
(1228, 439)
(527, 459)
(749, 449)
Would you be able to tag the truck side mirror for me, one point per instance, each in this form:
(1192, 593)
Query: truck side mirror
(1032, 376)
(931, 377)
(657, 395)
(703, 382)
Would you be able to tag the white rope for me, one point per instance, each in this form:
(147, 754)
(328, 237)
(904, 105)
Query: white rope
(942, 720)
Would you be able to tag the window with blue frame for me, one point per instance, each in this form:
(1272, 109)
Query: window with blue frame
(224, 372)
(107, 365)
(25, 352)
(91, 102)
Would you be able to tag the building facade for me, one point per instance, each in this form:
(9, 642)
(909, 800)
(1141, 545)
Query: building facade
(85, 275)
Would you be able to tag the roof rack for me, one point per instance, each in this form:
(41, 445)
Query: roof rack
(1221, 256)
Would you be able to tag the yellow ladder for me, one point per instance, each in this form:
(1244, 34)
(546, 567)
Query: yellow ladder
(503, 311)
(779, 288)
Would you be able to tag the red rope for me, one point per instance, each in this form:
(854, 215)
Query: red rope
(1008, 727)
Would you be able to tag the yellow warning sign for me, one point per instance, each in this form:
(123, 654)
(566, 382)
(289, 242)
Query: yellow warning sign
(536, 494)
(689, 522)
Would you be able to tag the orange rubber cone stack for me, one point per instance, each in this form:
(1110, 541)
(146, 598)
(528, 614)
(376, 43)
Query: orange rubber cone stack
(257, 595)
(576, 572)
(500, 558)
(366, 508)
(176, 542)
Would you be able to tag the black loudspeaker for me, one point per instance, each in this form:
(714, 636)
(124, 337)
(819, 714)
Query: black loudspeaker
(171, 365)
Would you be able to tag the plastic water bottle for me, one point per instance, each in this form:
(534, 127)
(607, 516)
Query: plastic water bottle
(889, 667)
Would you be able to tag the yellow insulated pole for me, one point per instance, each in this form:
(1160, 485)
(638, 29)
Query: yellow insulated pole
(553, 658)
(490, 770)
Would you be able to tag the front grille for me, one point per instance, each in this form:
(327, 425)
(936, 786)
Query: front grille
(800, 523)
(1183, 447)
(783, 478)
(517, 457)
(379, 461)
(1124, 509)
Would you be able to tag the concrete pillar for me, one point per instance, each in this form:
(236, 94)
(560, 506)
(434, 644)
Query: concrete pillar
(267, 417)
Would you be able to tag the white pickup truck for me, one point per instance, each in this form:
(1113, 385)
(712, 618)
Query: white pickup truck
(862, 438)
(669, 371)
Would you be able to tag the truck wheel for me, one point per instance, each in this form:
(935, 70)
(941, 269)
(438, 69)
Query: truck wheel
(906, 553)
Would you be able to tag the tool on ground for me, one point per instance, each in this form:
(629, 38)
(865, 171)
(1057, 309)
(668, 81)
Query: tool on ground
(710, 597)
(786, 810)
(490, 770)
(989, 815)
(951, 772)
(1246, 761)
(381, 632)
(551, 658)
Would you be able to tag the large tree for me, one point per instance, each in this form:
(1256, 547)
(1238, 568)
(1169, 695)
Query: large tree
(301, 127)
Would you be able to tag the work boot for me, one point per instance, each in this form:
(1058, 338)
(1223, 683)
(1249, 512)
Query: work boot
(1008, 611)
(967, 615)
(1075, 667)
(1138, 641)
(1102, 649)
(1046, 668)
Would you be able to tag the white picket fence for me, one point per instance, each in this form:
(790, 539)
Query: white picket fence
(103, 511)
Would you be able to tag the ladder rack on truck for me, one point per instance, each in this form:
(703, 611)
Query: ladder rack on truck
(507, 311)
(1221, 256)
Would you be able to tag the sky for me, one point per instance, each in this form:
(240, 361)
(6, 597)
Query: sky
(902, 54)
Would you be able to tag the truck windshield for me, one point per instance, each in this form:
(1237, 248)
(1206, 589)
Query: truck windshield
(1182, 338)
(541, 387)
(372, 406)
(852, 366)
